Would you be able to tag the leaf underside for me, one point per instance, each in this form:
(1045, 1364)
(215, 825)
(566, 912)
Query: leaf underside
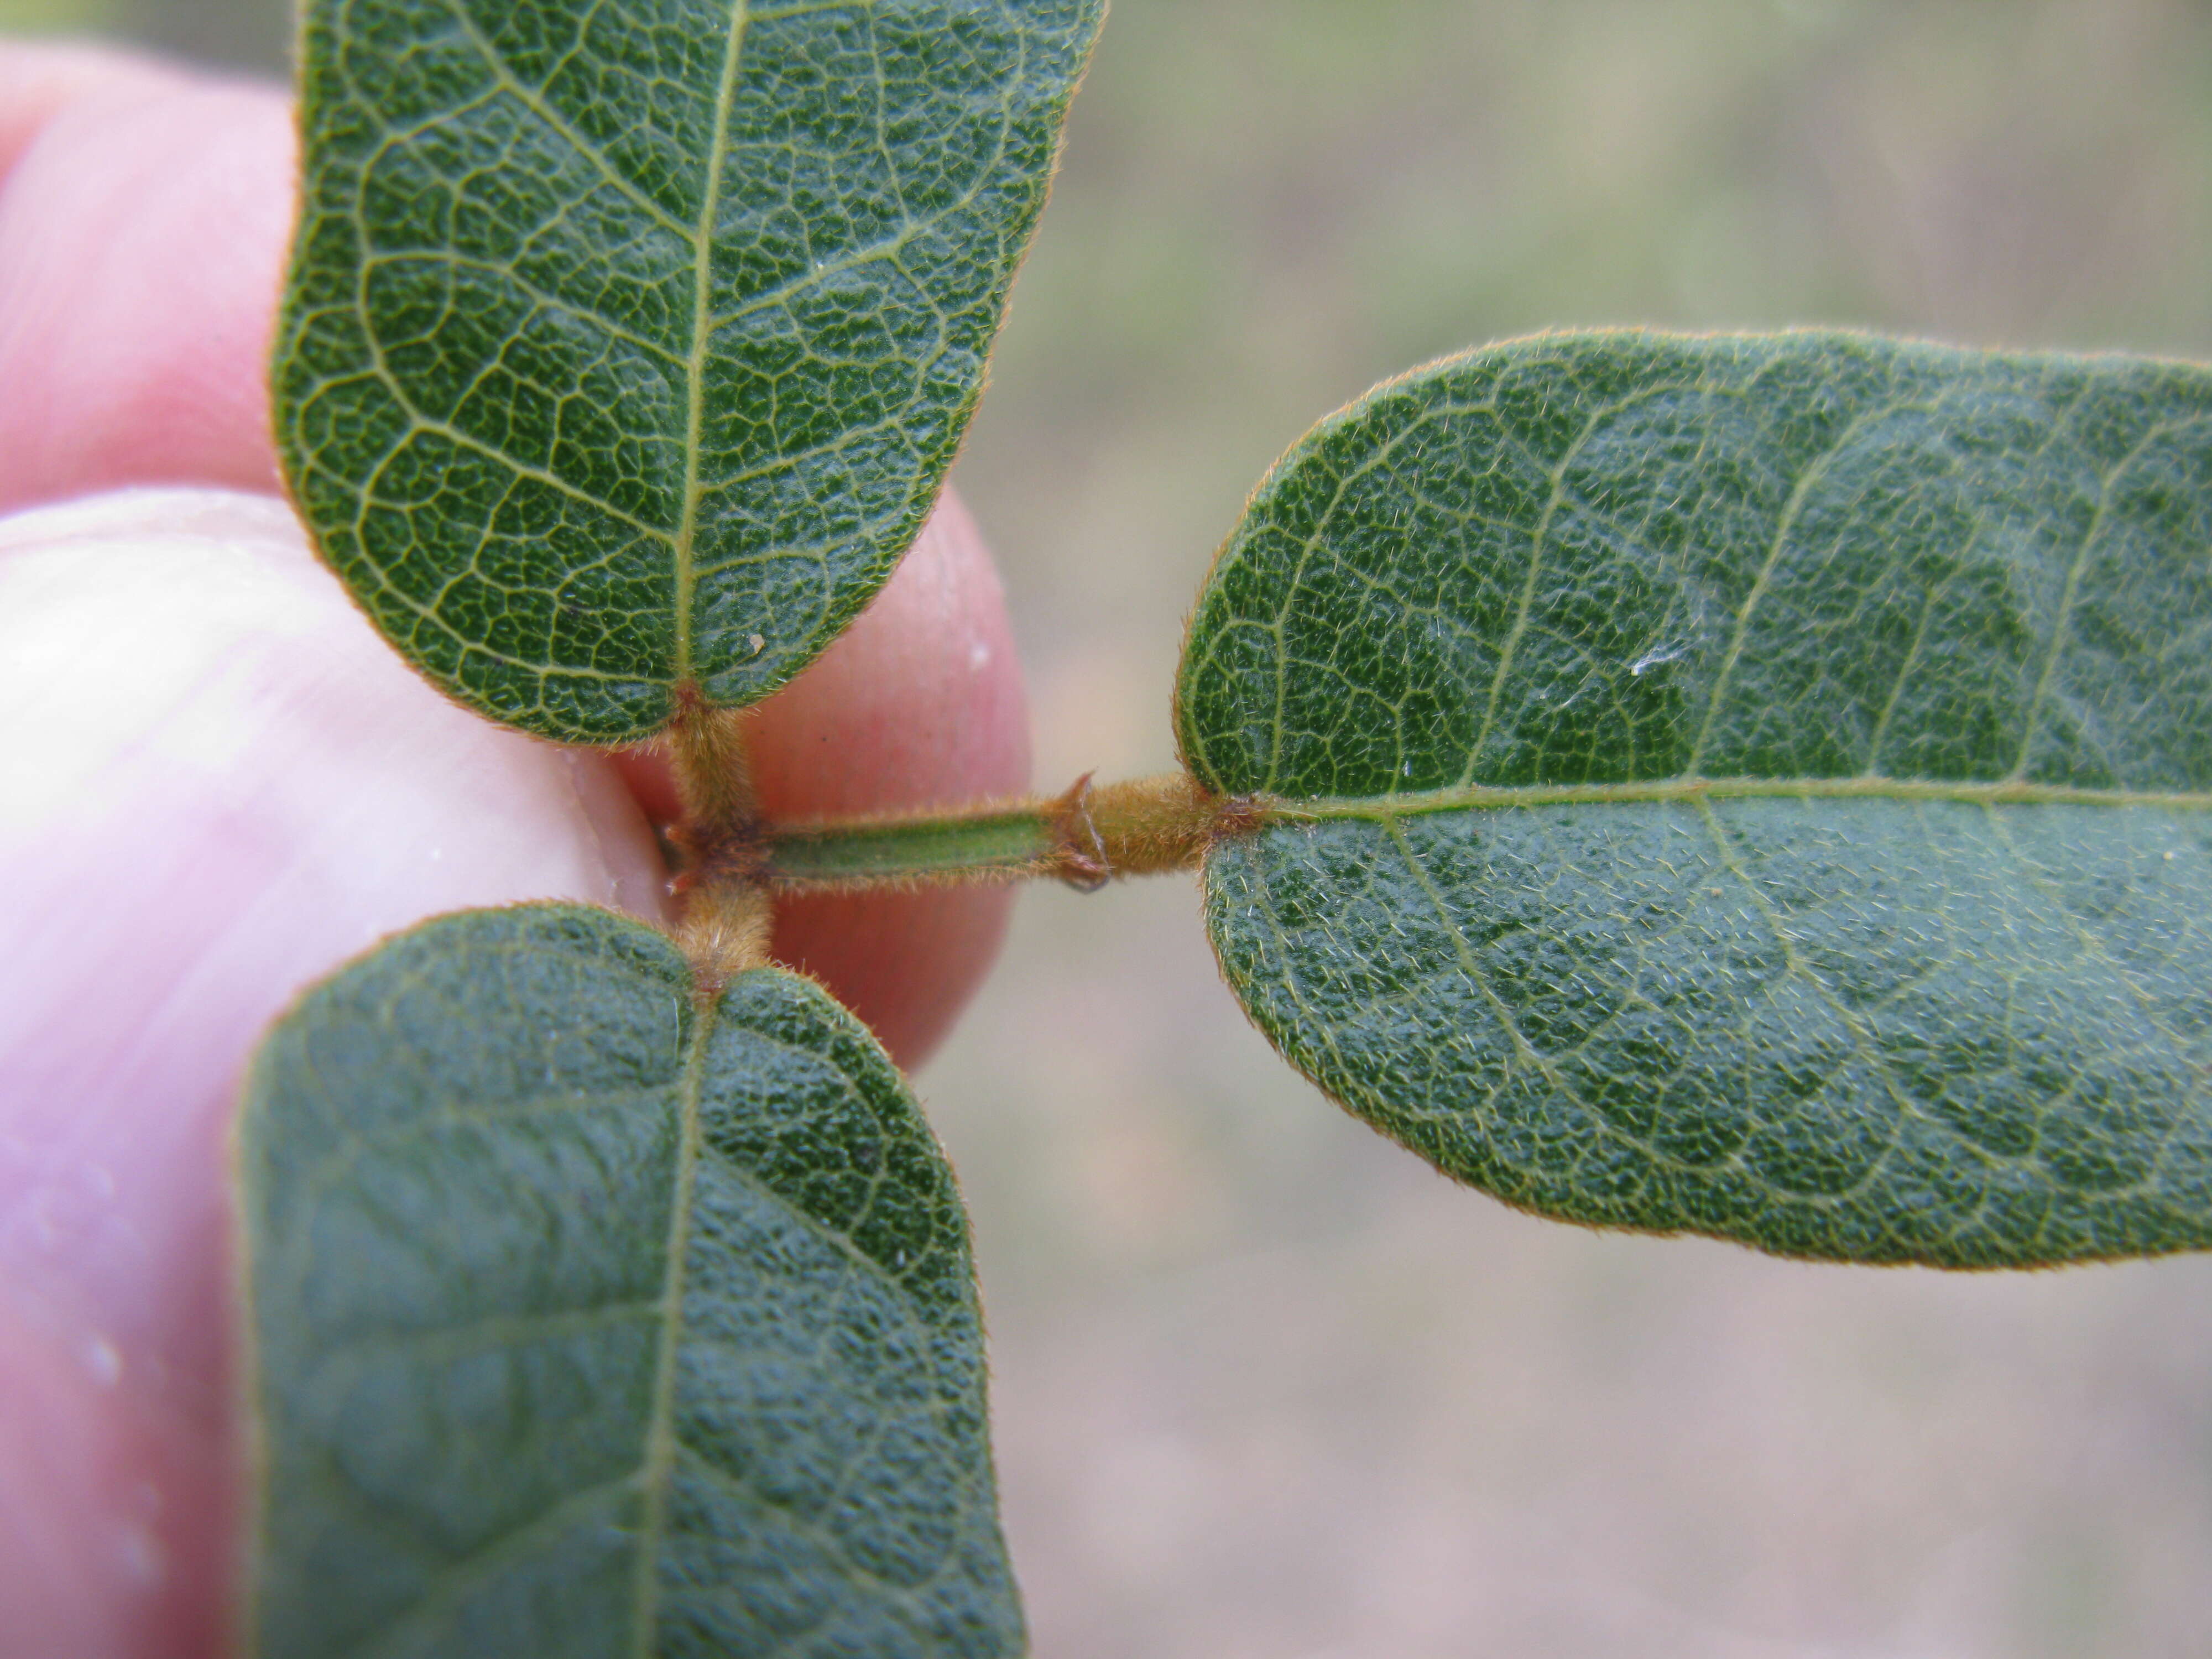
(590, 1324)
(1757, 786)
(627, 343)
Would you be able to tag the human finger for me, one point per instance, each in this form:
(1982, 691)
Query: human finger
(143, 217)
(216, 784)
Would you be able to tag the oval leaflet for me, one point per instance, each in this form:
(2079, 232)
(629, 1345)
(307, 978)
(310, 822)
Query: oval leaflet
(1756, 787)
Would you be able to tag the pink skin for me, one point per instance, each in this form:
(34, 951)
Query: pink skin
(216, 784)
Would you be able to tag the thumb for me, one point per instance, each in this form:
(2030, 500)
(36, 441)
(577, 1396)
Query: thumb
(215, 784)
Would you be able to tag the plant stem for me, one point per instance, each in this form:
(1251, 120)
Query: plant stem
(721, 925)
(722, 928)
(732, 859)
(713, 772)
(996, 841)
(1086, 837)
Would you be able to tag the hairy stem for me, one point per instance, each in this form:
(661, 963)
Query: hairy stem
(722, 913)
(722, 928)
(714, 773)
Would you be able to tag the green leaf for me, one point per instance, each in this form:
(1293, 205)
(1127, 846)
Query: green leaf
(590, 1323)
(627, 341)
(1751, 786)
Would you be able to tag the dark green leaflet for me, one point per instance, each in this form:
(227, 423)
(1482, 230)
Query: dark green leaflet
(626, 342)
(588, 1324)
(1754, 786)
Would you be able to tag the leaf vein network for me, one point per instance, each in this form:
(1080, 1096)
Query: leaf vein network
(535, 101)
(2062, 625)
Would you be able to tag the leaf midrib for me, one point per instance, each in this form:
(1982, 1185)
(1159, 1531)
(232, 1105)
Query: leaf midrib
(663, 1447)
(658, 1465)
(702, 330)
(2008, 792)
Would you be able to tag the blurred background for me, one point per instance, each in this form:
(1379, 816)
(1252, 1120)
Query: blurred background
(1266, 1386)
